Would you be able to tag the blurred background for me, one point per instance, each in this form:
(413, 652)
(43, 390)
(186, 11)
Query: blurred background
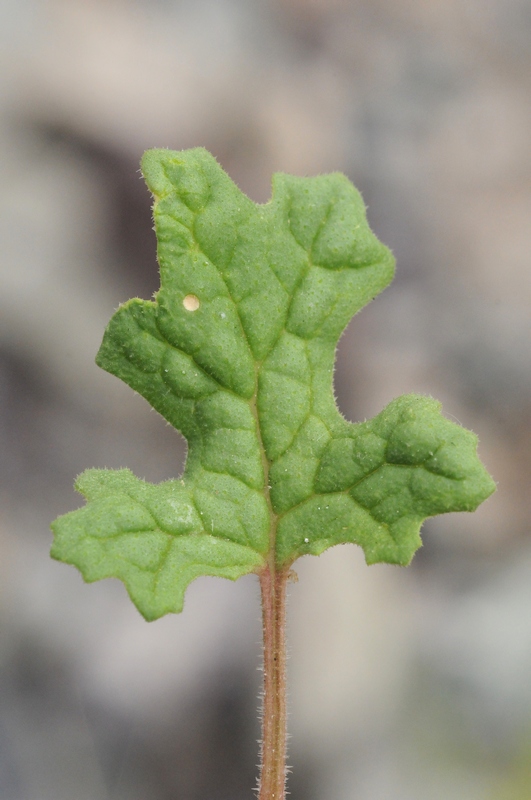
(404, 684)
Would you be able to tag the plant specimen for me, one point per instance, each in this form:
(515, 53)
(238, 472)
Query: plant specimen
(237, 351)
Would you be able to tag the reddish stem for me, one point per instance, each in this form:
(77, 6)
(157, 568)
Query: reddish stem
(274, 717)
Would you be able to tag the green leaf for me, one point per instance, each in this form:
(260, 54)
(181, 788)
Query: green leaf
(237, 352)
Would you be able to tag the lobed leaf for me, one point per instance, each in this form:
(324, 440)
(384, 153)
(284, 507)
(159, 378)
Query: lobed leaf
(237, 352)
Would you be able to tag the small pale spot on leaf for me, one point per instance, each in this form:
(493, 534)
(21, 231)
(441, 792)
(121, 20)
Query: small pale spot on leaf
(191, 302)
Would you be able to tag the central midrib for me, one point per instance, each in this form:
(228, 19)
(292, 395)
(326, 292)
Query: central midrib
(273, 517)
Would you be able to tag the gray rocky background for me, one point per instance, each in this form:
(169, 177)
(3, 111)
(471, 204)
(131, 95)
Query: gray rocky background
(405, 684)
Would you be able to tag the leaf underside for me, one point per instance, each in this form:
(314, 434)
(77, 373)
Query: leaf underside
(237, 352)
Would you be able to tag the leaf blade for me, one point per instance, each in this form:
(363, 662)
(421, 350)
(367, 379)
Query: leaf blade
(237, 352)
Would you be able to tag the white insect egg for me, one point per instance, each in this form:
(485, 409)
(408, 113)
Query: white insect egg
(191, 302)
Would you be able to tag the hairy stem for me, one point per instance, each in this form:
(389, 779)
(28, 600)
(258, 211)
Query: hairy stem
(274, 717)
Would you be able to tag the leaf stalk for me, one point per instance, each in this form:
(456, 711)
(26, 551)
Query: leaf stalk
(274, 712)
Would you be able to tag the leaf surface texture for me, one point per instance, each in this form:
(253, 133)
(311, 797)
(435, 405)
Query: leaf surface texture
(237, 351)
